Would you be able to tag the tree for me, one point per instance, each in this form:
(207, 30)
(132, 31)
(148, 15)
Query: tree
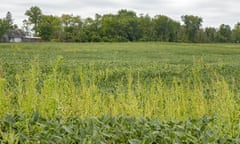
(72, 26)
(92, 29)
(89, 30)
(34, 17)
(97, 26)
(224, 33)
(211, 34)
(109, 27)
(26, 27)
(9, 20)
(165, 28)
(182, 36)
(124, 26)
(160, 26)
(192, 25)
(201, 36)
(129, 28)
(236, 33)
(4, 27)
(49, 27)
(145, 28)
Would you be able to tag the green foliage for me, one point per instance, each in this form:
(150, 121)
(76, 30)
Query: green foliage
(176, 88)
(124, 26)
(236, 33)
(4, 27)
(34, 17)
(9, 20)
(72, 26)
(224, 33)
(107, 129)
(192, 25)
(121, 27)
(165, 28)
(146, 31)
(211, 34)
(49, 27)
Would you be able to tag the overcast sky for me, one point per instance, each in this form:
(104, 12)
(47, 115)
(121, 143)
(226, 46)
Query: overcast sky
(213, 12)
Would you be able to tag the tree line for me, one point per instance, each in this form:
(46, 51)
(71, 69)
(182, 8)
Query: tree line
(124, 26)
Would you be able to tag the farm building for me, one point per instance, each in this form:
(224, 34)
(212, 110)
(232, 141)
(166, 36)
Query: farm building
(32, 39)
(13, 36)
(18, 35)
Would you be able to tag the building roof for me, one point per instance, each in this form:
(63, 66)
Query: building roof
(18, 33)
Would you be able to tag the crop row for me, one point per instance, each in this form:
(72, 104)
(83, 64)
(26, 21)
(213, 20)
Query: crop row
(87, 91)
(107, 129)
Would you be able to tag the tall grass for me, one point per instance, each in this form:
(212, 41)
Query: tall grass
(87, 91)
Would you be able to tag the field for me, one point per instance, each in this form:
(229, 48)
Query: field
(119, 93)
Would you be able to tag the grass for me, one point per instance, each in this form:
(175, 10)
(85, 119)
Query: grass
(132, 53)
(158, 81)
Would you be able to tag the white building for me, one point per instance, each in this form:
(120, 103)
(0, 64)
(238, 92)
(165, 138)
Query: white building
(14, 36)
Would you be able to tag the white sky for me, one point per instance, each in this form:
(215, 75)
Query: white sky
(213, 12)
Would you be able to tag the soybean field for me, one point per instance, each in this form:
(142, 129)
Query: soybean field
(145, 92)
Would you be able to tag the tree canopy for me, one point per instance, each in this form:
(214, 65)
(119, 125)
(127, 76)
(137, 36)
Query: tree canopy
(192, 25)
(6, 24)
(34, 17)
(126, 25)
(3, 27)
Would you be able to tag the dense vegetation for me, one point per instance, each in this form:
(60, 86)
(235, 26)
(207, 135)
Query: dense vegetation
(124, 26)
(106, 129)
(119, 93)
